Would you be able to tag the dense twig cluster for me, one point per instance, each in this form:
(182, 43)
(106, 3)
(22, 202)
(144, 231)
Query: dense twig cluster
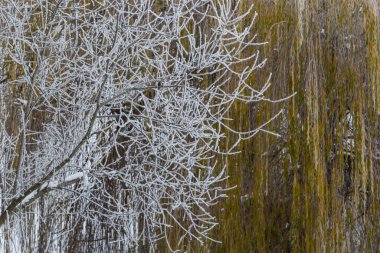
(108, 132)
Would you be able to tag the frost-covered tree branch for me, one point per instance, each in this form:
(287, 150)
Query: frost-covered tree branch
(112, 115)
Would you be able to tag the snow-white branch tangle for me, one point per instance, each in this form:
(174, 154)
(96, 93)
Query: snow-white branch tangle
(108, 130)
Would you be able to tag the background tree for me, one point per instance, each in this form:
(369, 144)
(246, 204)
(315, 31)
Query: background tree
(291, 193)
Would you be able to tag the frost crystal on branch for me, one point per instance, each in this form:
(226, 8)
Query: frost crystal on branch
(111, 119)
